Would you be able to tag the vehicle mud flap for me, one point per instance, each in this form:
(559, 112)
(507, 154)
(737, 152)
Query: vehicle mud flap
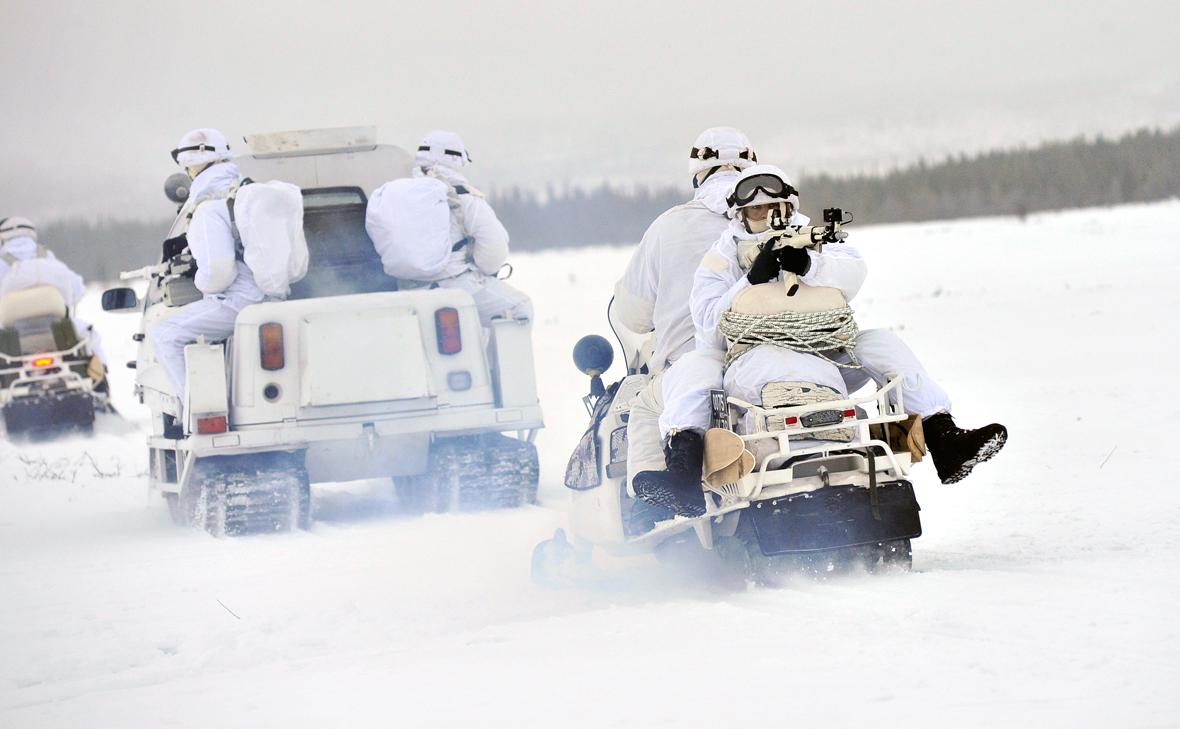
(64, 334)
(835, 517)
(584, 470)
(874, 494)
(10, 342)
(43, 416)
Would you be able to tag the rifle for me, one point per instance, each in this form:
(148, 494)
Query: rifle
(182, 264)
(806, 236)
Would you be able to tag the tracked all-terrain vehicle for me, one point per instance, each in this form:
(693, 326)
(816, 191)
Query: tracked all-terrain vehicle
(348, 378)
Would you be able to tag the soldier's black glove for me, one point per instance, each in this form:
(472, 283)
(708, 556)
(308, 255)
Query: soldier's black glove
(175, 246)
(794, 260)
(765, 267)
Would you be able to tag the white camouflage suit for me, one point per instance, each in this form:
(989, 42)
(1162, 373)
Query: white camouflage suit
(227, 283)
(653, 295)
(720, 278)
(473, 268)
(40, 267)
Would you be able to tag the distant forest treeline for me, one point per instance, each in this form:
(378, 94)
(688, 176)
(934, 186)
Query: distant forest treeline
(1137, 167)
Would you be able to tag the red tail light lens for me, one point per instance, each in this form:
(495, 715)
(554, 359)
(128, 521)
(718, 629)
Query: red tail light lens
(212, 424)
(446, 327)
(43, 362)
(791, 420)
(850, 413)
(270, 346)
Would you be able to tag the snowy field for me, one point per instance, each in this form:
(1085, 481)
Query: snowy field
(1045, 588)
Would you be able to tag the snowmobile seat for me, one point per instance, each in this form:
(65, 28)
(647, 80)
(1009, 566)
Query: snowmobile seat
(32, 303)
(343, 259)
(35, 320)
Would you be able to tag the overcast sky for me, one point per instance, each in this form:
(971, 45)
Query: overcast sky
(94, 95)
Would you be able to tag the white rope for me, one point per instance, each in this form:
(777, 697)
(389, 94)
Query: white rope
(813, 333)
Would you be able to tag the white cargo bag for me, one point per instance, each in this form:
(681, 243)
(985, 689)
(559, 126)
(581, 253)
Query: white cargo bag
(269, 220)
(409, 220)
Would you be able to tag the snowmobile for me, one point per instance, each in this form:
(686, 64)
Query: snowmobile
(46, 384)
(811, 488)
(351, 377)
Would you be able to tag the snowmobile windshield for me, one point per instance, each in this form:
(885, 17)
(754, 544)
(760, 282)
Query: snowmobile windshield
(746, 190)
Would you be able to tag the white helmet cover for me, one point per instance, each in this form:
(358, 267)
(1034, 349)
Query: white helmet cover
(17, 227)
(201, 147)
(442, 148)
(718, 146)
(760, 185)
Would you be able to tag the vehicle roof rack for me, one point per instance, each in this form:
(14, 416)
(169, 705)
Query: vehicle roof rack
(312, 141)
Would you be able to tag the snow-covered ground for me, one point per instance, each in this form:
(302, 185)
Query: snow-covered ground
(1045, 588)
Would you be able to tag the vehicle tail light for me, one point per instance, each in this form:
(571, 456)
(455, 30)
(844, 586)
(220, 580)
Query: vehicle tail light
(850, 413)
(446, 327)
(210, 424)
(791, 420)
(270, 346)
(43, 362)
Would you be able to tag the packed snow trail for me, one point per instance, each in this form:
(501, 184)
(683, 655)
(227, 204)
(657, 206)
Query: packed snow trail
(1044, 590)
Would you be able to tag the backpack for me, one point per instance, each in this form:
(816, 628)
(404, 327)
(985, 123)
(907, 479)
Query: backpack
(409, 221)
(267, 222)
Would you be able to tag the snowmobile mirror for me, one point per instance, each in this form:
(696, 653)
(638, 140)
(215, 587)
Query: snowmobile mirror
(120, 299)
(593, 355)
(176, 187)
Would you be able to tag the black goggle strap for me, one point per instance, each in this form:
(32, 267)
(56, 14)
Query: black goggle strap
(452, 152)
(195, 148)
(704, 153)
(9, 228)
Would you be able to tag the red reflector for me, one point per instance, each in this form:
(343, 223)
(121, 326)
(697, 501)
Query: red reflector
(43, 362)
(791, 420)
(446, 326)
(850, 413)
(212, 424)
(270, 346)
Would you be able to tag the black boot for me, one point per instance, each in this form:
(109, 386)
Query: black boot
(679, 487)
(956, 451)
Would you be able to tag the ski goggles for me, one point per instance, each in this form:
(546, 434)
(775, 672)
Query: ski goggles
(772, 186)
(195, 148)
(708, 153)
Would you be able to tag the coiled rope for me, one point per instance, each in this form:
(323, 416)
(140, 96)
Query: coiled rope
(815, 333)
